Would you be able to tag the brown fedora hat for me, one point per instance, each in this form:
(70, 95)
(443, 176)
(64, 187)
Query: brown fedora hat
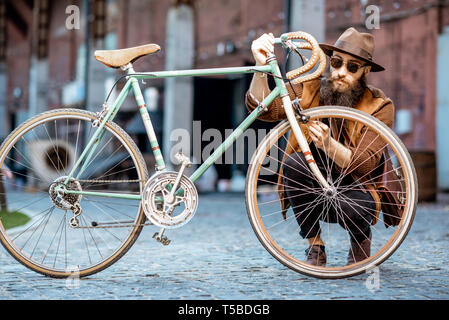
(360, 45)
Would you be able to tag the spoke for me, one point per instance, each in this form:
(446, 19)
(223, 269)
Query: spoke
(343, 214)
(373, 179)
(43, 213)
(92, 237)
(290, 188)
(112, 154)
(316, 220)
(319, 201)
(77, 138)
(112, 208)
(367, 210)
(67, 142)
(373, 210)
(106, 214)
(99, 152)
(114, 203)
(285, 198)
(21, 163)
(51, 141)
(59, 240)
(54, 236)
(283, 163)
(295, 182)
(56, 138)
(33, 202)
(107, 175)
(105, 230)
(335, 152)
(21, 174)
(315, 203)
(85, 242)
(48, 215)
(345, 171)
(42, 232)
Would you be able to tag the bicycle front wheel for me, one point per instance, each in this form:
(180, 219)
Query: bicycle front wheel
(39, 154)
(338, 218)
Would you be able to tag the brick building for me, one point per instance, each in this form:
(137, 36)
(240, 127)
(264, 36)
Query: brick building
(46, 64)
(411, 42)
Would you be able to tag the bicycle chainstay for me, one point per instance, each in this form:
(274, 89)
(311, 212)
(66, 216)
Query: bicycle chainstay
(118, 225)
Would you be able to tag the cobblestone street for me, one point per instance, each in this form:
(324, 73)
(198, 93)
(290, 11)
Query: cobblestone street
(217, 256)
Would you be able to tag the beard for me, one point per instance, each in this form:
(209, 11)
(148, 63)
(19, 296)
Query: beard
(347, 98)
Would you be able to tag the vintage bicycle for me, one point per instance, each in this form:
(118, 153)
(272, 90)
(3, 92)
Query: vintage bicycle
(89, 209)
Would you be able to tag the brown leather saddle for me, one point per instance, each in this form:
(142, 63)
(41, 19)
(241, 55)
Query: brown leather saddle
(121, 57)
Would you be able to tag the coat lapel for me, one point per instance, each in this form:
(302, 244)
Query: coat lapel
(368, 104)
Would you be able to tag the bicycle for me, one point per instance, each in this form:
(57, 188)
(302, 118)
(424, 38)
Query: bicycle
(89, 216)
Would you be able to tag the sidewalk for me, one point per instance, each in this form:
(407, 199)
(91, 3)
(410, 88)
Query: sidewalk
(217, 256)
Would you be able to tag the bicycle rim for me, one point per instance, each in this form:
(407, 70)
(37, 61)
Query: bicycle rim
(282, 237)
(40, 152)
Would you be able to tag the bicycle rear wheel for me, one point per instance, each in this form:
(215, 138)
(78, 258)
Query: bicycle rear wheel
(39, 154)
(282, 238)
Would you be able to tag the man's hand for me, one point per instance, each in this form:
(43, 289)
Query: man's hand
(320, 134)
(261, 47)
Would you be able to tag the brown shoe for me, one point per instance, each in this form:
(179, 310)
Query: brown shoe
(359, 250)
(316, 255)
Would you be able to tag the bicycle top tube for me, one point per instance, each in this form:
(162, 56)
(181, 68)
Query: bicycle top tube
(209, 71)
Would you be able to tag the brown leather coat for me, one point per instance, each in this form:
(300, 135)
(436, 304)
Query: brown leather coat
(373, 102)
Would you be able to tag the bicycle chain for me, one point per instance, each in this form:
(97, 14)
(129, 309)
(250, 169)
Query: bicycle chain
(76, 209)
(75, 224)
(109, 181)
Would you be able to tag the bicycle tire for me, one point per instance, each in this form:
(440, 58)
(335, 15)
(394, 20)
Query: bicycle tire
(141, 170)
(277, 247)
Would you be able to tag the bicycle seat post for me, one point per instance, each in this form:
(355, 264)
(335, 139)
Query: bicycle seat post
(128, 68)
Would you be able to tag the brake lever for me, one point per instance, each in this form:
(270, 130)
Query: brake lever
(292, 47)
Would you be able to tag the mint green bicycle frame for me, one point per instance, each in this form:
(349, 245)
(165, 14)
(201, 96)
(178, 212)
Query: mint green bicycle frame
(133, 84)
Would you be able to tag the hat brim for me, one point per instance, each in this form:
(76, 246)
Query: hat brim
(328, 49)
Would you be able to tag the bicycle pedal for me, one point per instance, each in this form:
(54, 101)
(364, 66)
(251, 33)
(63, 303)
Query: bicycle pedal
(164, 240)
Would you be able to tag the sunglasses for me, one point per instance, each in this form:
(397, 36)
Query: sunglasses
(352, 67)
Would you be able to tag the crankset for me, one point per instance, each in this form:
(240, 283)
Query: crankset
(170, 199)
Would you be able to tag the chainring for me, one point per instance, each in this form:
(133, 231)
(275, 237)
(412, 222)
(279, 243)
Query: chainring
(164, 211)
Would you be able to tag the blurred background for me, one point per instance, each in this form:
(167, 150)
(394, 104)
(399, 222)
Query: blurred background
(47, 62)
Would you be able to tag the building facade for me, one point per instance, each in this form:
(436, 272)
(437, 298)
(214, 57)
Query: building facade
(46, 59)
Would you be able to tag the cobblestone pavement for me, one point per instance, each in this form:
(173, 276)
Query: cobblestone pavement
(217, 256)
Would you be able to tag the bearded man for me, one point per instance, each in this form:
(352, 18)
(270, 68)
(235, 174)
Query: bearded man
(351, 60)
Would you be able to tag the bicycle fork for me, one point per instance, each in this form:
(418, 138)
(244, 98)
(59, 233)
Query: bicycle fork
(302, 141)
